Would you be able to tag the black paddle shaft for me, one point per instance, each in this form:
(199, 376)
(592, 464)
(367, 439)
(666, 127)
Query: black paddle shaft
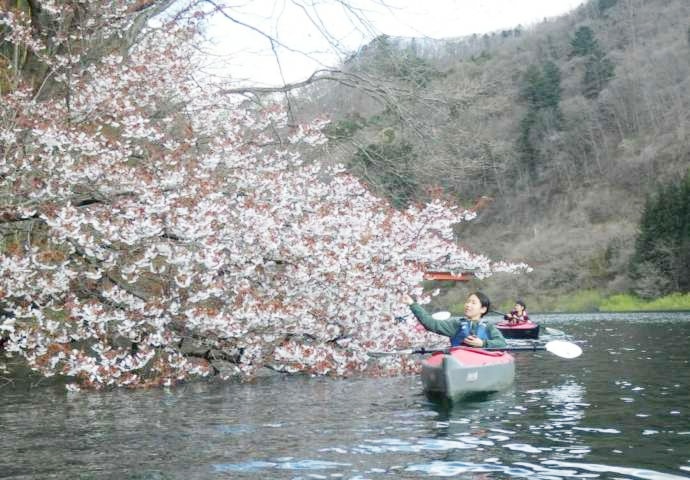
(510, 348)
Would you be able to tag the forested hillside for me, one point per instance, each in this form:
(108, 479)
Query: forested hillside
(566, 127)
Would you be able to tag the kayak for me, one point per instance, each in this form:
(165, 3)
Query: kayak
(526, 329)
(466, 371)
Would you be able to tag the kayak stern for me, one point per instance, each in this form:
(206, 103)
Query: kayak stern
(467, 371)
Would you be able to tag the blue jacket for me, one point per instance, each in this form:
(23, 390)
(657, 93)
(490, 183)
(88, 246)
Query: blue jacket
(467, 328)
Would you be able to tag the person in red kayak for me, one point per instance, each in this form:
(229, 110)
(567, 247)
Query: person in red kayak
(518, 314)
(470, 330)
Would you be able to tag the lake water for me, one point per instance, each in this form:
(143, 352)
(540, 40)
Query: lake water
(620, 411)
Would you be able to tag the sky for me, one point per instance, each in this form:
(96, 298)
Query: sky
(314, 34)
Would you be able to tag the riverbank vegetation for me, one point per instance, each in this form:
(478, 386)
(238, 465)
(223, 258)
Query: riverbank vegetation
(595, 301)
(586, 301)
(627, 303)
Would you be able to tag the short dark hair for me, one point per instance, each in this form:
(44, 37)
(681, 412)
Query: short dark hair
(520, 302)
(484, 300)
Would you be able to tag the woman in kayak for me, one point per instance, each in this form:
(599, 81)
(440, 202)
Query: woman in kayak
(470, 330)
(518, 314)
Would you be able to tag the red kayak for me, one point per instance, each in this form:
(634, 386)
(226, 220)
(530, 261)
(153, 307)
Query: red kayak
(466, 371)
(526, 329)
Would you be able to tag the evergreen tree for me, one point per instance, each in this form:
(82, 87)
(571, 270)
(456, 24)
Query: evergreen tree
(662, 248)
(551, 88)
(532, 87)
(604, 5)
(598, 71)
(388, 169)
(541, 90)
(526, 148)
(390, 60)
(584, 42)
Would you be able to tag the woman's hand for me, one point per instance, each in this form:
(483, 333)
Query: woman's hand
(473, 341)
(407, 300)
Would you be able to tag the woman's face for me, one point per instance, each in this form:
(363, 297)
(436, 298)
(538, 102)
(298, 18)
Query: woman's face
(519, 308)
(473, 308)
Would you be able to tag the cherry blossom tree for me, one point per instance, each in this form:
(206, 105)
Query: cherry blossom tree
(157, 228)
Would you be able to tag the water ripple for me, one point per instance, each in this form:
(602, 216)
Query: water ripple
(522, 447)
(523, 469)
(395, 445)
(633, 472)
(597, 430)
(450, 469)
(282, 464)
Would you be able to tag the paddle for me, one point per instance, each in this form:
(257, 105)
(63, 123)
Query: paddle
(498, 313)
(441, 316)
(560, 348)
(563, 348)
(554, 331)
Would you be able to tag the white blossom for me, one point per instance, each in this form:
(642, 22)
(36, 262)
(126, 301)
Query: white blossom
(195, 223)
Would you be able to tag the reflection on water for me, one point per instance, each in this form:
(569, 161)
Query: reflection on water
(619, 411)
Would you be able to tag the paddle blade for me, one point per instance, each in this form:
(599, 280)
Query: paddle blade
(441, 316)
(554, 331)
(563, 349)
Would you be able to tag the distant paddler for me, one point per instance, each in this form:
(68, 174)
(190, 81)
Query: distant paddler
(518, 314)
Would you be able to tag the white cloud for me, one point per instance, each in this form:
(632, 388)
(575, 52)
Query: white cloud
(302, 47)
